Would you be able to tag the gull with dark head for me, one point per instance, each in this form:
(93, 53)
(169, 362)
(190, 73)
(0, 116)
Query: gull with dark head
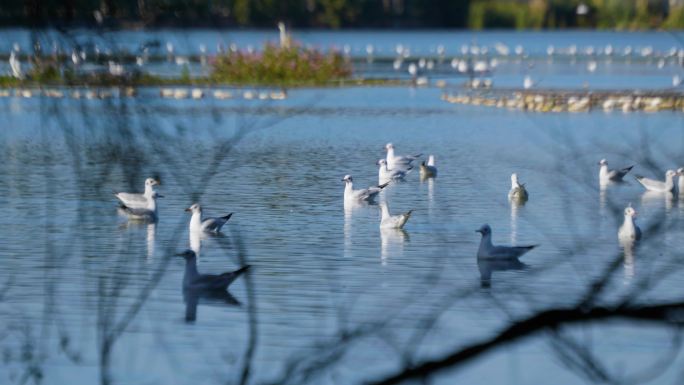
(361, 195)
(389, 221)
(396, 161)
(211, 225)
(489, 251)
(428, 170)
(148, 213)
(606, 176)
(659, 186)
(629, 229)
(518, 192)
(135, 200)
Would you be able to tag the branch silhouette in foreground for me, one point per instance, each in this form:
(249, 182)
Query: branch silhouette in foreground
(671, 313)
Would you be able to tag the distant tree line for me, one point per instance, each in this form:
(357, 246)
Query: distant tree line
(477, 14)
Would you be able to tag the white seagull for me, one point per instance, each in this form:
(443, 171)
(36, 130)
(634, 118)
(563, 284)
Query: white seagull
(518, 191)
(428, 170)
(193, 280)
(629, 229)
(366, 194)
(212, 225)
(385, 174)
(658, 186)
(148, 214)
(395, 161)
(606, 176)
(15, 66)
(389, 221)
(680, 181)
(138, 201)
(488, 250)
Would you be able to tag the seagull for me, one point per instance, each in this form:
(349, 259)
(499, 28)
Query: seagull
(285, 38)
(656, 185)
(680, 181)
(367, 194)
(629, 229)
(398, 161)
(389, 221)
(15, 66)
(518, 191)
(193, 280)
(197, 224)
(428, 170)
(606, 175)
(138, 201)
(528, 82)
(148, 213)
(385, 174)
(488, 250)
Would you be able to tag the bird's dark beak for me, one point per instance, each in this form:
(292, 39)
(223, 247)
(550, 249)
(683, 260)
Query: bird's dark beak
(159, 196)
(180, 254)
(188, 209)
(478, 231)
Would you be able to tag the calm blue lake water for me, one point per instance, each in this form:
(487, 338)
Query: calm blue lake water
(90, 296)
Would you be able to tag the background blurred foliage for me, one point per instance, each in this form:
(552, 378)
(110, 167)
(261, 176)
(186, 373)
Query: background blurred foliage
(282, 66)
(476, 14)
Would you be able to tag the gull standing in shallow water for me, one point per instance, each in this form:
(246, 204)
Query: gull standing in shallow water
(395, 161)
(386, 175)
(366, 194)
(389, 221)
(518, 192)
(149, 213)
(428, 170)
(138, 201)
(680, 181)
(488, 250)
(629, 229)
(212, 225)
(606, 176)
(658, 186)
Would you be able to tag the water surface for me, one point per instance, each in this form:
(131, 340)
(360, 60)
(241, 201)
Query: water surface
(330, 298)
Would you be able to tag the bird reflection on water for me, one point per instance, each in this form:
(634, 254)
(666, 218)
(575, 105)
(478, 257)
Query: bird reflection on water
(489, 266)
(391, 243)
(207, 287)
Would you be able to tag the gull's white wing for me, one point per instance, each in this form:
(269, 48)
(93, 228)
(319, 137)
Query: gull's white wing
(132, 200)
(396, 221)
(650, 184)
